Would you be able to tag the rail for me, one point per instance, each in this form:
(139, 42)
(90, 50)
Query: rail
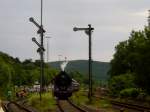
(131, 106)
(65, 105)
(123, 106)
(8, 107)
(74, 105)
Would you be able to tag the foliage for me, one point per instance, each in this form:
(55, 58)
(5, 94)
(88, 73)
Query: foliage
(79, 77)
(49, 75)
(133, 56)
(130, 92)
(121, 82)
(47, 103)
(78, 69)
(80, 98)
(13, 72)
(99, 69)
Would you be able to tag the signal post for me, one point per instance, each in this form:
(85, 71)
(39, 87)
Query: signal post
(88, 31)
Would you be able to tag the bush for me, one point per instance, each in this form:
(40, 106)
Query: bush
(47, 103)
(130, 92)
(121, 82)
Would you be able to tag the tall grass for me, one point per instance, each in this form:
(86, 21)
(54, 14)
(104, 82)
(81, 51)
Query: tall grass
(81, 98)
(46, 104)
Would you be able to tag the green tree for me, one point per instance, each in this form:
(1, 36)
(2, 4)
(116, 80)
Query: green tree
(133, 56)
(119, 64)
(13, 72)
(121, 82)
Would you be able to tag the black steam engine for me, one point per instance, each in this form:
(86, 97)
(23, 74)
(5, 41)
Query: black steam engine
(64, 85)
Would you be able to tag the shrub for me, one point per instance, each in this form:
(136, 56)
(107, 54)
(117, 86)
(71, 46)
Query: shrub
(47, 102)
(129, 92)
(121, 82)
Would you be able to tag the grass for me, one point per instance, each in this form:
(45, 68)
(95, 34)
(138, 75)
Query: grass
(45, 105)
(81, 99)
(48, 103)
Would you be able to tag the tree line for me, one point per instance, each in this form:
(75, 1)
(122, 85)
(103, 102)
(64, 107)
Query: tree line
(130, 66)
(16, 73)
(13, 72)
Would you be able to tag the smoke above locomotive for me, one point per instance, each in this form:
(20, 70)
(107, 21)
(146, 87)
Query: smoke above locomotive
(63, 65)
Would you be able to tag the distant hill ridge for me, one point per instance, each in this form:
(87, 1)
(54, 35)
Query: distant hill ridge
(99, 69)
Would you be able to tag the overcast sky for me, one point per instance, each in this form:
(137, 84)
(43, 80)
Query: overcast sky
(113, 21)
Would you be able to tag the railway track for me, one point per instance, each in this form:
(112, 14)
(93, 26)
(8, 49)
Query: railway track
(125, 106)
(68, 106)
(14, 107)
(122, 106)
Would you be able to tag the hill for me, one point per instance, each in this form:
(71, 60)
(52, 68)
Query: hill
(100, 69)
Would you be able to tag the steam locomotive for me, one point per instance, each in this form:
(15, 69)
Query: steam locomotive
(64, 85)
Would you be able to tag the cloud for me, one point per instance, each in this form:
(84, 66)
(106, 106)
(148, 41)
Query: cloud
(112, 19)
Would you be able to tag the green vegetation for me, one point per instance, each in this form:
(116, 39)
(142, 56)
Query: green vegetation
(81, 99)
(130, 66)
(13, 73)
(80, 67)
(120, 82)
(129, 92)
(47, 104)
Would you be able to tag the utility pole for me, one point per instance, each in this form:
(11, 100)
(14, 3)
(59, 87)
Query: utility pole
(41, 49)
(88, 31)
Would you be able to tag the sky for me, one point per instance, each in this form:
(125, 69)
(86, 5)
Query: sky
(113, 20)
